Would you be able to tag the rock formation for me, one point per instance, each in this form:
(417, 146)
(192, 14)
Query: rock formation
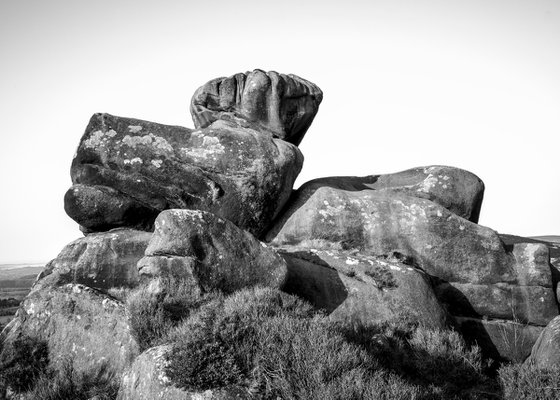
(403, 247)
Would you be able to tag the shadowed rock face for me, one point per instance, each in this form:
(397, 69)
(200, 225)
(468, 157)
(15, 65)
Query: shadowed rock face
(282, 105)
(546, 351)
(126, 171)
(363, 290)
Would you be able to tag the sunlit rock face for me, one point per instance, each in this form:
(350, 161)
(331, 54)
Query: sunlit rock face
(126, 171)
(281, 105)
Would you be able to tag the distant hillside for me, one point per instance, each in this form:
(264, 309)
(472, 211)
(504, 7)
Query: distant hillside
(15, 282)
(549, 238)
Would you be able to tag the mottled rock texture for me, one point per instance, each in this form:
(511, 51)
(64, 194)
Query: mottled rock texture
(146, 380)
(460, 191)
(211, 252)
(357, 289)
(100, 260)
(475, 274)
(126, 171)
(546, 351)
(80, 324)
(282, 105)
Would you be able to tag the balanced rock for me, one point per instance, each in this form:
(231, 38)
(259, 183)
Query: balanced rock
(283, 105)
(80, 324)
(360, 289)
(126, 171)
(211, 252)
(146, 379)
(101, 260)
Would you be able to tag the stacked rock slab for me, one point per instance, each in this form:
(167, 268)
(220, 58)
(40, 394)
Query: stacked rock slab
(474, 273)
(237, 165)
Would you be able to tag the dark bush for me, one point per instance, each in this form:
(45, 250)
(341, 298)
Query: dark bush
(22, 361)
(528, 382)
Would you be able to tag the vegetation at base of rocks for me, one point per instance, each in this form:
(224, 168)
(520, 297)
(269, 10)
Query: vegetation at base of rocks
(26, 370)
(67, 383)
(528, 382)
(156, 307)
(276, 346)
(22, 361)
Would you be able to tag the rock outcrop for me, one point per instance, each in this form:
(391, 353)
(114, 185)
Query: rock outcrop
(370, 252)
(210, 252)
(282, 105)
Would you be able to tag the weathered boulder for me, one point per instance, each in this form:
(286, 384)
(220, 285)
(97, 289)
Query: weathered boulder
(126, 171)
(377, 222)
(146, 379)
(460, 191)
(546, 351)
(80, 324)
(283, 105)
(360, 289)
(100, 260)
(211, 252)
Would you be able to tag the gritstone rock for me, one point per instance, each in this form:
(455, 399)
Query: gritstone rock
(283, 105)
(126, 171)
(100, 260)
(80, 324)
(211, 252)
(364, 290)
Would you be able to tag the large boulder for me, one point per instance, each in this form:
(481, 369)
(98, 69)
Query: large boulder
(146, 379)
(546, 351)
(283, 105)
(475, 274)
(359, 289)
(460, 191)
(211, 252)
(101, 260)
(126, 171)
(80, 324)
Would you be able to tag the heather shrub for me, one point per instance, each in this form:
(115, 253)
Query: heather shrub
(67, 383)
(528, 382)
(276, 346)
(154, 308)
(22, 361)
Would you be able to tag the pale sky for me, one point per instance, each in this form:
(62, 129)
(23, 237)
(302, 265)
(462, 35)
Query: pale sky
(473, 84)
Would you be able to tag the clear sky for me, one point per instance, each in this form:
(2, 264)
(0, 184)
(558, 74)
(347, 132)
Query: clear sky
(472, 83)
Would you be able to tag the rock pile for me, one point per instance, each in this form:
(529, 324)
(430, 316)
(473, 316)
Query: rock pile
(214, 206)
